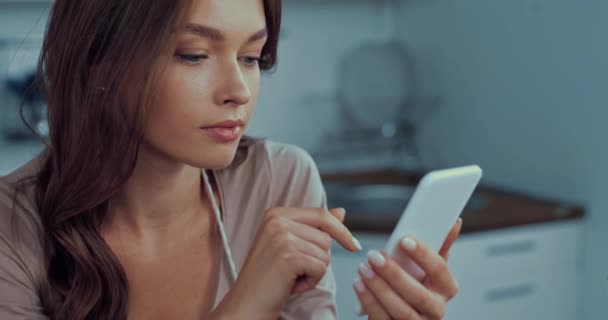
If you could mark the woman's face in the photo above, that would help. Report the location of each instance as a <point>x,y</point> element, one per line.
<point>209,90</point>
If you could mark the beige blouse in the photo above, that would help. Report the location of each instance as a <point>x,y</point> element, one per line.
<point>272,174</point>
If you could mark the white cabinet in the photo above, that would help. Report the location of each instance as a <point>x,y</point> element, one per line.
<point>523,273</point>
<point>536,295</point>
<point>345,265</point>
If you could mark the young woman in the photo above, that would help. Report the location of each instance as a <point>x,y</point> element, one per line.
<point>149,203</point>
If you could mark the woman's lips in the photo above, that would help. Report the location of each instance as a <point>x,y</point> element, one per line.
<point>223,134</point>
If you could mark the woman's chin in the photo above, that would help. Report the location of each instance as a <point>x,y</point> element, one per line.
<point>215,158</point>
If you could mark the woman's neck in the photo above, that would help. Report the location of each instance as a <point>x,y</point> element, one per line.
<point>161,194</point>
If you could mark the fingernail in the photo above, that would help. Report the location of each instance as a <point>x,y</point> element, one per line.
<point>359,286</point>
<point>341,210</point>
<point>358,310</point>
<point>376,258</point>
<point>357,244</point>
<point>366,271</point>
<point>408,243</point>
<point>460,220</point>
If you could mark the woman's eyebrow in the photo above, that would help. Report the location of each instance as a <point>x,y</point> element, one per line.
<point>217,35</point>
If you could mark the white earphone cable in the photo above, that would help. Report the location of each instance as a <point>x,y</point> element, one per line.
<point>218,218</point>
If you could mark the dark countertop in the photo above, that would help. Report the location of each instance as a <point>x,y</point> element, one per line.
<point>500,209</point>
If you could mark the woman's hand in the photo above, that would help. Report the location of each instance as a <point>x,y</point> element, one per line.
<point>289,255</point>
<point>387,291</point>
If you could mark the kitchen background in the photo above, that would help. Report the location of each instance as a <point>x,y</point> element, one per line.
<point>517,87</point>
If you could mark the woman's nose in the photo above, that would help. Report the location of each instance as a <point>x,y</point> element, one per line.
<point>234,89</point>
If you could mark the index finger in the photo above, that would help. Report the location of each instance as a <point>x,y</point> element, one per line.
<point>326,221</point>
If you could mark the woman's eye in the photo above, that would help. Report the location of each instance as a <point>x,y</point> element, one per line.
<point>192,58</point>
<point>250,61</point>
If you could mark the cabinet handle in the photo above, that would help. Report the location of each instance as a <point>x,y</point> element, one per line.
<point>511,292</point>
<point>511,248</point>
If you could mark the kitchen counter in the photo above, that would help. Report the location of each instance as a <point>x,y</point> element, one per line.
<point>492,209</point>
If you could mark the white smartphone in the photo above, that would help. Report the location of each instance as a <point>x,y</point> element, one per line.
<point>434,208</point>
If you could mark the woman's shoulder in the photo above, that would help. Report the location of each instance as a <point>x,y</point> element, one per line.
<point>21,255</point>
<point>283,158</point>
<point>288,171</point>
<point>275,161</point>
<point>17,187</point>
<point>20,227</point>
<point>289,158</point>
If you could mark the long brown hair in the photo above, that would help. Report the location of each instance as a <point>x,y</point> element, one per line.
<point>97,69</point>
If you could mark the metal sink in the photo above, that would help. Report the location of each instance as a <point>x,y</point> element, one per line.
<point>376,199</point>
